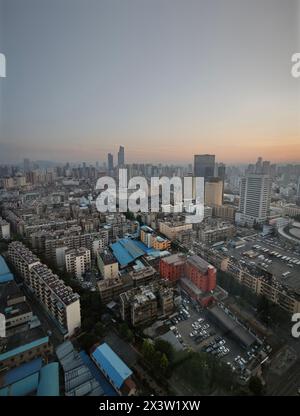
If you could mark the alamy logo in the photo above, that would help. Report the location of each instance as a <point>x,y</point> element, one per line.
<point>295,71</point>
<point>2,326</point>
<point>296,326</point>
<point>2,66</point>
<point>152,195</point>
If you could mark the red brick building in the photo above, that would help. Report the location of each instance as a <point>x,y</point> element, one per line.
<point>172,267</point>
<point>202,274</point>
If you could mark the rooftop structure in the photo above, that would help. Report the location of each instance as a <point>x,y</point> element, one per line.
<point>31,378</point>
<point>79,380</point>
<point>5,274</point>
<point>115,370</point>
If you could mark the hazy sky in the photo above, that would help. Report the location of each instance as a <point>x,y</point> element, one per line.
<point>165,78</point>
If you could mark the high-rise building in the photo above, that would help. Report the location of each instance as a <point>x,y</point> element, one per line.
<point>110,162</point>
<point>255,196</point>
<point>221,171</point>
<point>204,166</point>
<point>58,299</point>
<point>26,165</point>
<point>213,192</point>
<point>121,156</point>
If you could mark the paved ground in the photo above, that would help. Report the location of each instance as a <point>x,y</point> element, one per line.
<point>185,328</point>
<point>278,266</point>
<point>122,348</point>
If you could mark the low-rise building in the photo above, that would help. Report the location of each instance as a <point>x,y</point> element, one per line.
<point>194,268</point>
<point>78,261</point>
<point>4,229</point>
<point>212,232</point>
<point>142,305</point>
<point>108,265</point>
<point>110,289</point>
<point>114,369</point>
<point>151,239</point>
<point>172,229</point>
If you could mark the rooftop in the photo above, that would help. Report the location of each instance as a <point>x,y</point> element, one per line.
<point>108,258</point>
<point>232,326</point>
<point>22,348</point>
<point>199,263</point>
<point>5,274</point>
<point>175,259</point>
<point>112,364</point>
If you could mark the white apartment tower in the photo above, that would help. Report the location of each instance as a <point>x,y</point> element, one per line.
<point>255,196</point>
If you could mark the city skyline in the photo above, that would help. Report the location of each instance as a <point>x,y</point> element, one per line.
<point>167,80</point>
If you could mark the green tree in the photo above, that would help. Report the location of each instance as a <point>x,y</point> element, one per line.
<point>165,348</point>
<point>148,350</point>
<point>126,332</point>
<point>163,363</point>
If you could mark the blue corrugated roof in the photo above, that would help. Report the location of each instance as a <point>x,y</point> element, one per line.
<point>112,364</point>
<point>23,371</point>
<point>126,250</point>
<point>23,348</point>
<point>148,250</point>
<point>22,387</point>
<point>49,380</point>
<point>5,274</point>
<point>107,388</point>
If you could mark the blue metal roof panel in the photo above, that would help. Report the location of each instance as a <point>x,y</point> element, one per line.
<point>112,364</point>
<point>5,274</point>
<point>3,266</point>
<point>22,387</point>
<point>23,371</point>
<point>121,254</point>
<point>8,277</point>
<point>49,380</point>
<point>127,250</point>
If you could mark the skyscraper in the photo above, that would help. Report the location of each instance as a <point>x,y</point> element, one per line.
<point>110,162</point>
<point>221,171</point>
<point>26,163</point>
<point>121,156</point>
<point>213,192</point>
<point>204,166</point>
<point>255,196</point>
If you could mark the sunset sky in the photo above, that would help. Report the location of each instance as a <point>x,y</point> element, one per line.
<point>165,78</point>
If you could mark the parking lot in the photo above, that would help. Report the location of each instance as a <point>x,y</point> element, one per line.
<point>270,255</point>
<point>210,331</point>
<point>196,331</point>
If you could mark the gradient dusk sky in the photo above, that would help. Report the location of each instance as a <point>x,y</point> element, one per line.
<point>165,78</point>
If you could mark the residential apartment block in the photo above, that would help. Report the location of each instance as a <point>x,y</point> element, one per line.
<point>58,299</point>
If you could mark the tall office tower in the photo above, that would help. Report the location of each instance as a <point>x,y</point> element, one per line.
<point>213,192</point>
<point>221,171</point>
<point>204,166</point>
<point>121,156</point>
<point>110,162</point>
<point>26,165</point>
<point>258,166</point>
<point>266,169</point>
<point>255,196</point>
